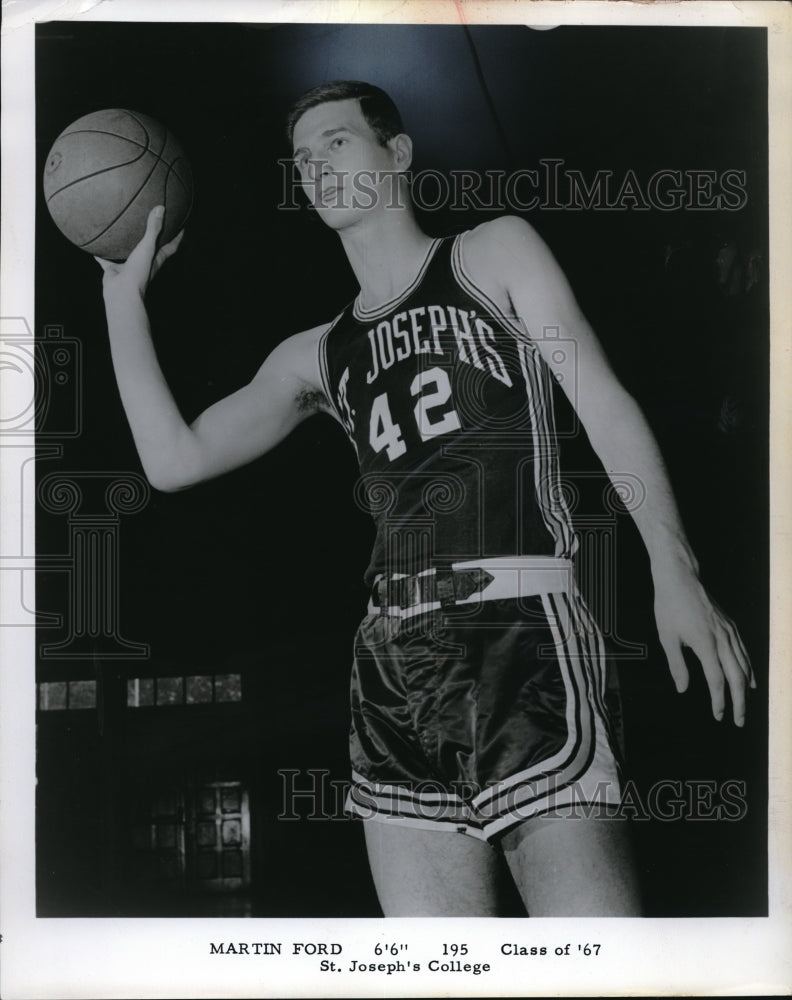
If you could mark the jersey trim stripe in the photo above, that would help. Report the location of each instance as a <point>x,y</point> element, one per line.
<point>547,480</point>
<point>470,286</point>
<point>366,315</point>
<point>324,370</point>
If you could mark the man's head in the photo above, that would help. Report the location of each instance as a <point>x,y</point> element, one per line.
<point>378,109</point>
<point>350,152</point>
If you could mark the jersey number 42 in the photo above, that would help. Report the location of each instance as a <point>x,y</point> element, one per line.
<point>432,414</point>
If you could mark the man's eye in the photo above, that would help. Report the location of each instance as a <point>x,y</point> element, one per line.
<point>336,143</point>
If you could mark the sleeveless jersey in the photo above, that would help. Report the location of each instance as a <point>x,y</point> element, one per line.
<point>448,404</point>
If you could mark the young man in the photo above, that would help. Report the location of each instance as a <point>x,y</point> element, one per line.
<point>478,690</point>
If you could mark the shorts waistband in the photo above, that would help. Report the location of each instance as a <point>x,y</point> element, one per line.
<point>470,582</point>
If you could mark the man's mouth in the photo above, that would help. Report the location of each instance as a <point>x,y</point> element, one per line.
<point>329,194</point>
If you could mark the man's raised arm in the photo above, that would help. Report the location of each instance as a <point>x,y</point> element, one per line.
<point>229,433</point>
<point>509,257</point>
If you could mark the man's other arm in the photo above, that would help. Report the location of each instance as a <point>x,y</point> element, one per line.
<point>517,268</point>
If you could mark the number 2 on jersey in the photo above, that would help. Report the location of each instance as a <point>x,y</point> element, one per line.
<point>433,390</point>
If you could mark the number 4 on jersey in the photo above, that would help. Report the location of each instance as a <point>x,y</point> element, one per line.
<point>383,433</point>
<point>433,389</point>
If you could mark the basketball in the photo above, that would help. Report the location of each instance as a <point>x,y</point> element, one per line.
<point>105,173</point>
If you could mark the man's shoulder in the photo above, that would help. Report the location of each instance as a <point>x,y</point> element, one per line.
<point>498,248</point>
<point>302,347</point>
<point>507,253</point>
<point>307,340</point>
<point>297,357</point>
<point>497,243</point>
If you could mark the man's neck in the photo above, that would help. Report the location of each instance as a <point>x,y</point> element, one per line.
<point>386,252</point>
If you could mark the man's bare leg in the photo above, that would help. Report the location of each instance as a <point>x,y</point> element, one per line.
<point>428,873</point>
<point>574,867</point>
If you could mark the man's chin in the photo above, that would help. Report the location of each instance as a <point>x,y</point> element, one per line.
<point>339,216</point>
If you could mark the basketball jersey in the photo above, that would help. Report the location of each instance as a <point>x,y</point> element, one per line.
<point>448,405</point>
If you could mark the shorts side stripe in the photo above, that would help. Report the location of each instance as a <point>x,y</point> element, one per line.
<point>596,645</point>
<point>595,658</point>
<point>577,750</point>
<point>555,782</point>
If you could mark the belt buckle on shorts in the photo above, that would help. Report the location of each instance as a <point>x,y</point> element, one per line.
<point>445,588</point>
<point>383,595</point>
<point>471,581</point>
<point>410,595</point>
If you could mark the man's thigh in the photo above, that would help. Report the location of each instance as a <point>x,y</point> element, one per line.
<point>574,867</point>
<point>560,866</point>
<point>430,873</point>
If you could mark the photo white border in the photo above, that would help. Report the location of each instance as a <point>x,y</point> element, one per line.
<point>42,958</point>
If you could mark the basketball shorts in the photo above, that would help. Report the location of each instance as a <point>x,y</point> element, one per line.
<point>474,716</point>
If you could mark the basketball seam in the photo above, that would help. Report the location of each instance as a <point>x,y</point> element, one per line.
<point>146,132</point>
<point>144,149</point>
<point>103,131</point>
<point>168,135</point>
<point>126,138</point>
<point>157,159</point>
<point>99,131</point>
<point>104,170</point>
<point>118,135</point>
<point>117,166</point>
<point>170,172</point>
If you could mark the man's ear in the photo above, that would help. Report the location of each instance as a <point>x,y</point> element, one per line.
<point>402,148</point>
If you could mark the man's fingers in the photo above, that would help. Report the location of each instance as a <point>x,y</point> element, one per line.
<point>165,252</point>
<point>154,221</point>
<point>169,249</point>
<point>145,249</point>
<point>148,245</point>
<point>741,654</point>
<point>736,678</point>
<point>694,621</point>
<point>710,662</point>
<point>108,266</point>
<point>737,645</point>
<point>676,664</point>
<point>173,246</point>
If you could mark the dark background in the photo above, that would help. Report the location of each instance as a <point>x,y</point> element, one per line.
<point>259,573</point>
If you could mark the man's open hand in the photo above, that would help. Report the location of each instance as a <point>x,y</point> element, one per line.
<point>687,616</point>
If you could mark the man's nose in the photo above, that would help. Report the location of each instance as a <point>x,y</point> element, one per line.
<point>318,169</point>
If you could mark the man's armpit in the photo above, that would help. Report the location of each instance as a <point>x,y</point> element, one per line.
<point>312,401</point>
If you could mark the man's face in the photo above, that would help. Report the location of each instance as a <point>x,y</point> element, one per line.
<point>344,170</point>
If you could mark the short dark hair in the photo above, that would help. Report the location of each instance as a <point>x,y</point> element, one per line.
<point>378,109</point>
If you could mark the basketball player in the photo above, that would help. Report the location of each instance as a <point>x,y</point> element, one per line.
<point>478,691</point>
